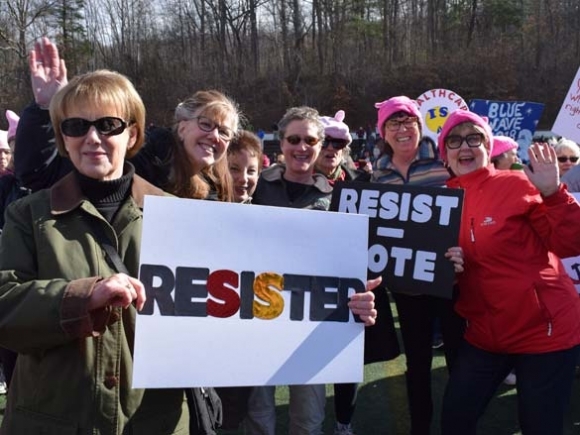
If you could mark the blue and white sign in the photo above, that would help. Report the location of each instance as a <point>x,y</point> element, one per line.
<point>516,119</point>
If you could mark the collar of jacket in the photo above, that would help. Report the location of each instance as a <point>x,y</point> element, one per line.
<point>276,172</point>
<point>474,177</point>
<point>426,152</point>
<point>66,194</point>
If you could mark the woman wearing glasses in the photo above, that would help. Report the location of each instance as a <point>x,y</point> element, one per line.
<point>412,159</point>
<point>332,160</point>
<point>568,153</point>
<point>521,308</point>
<point>295,184</point>
<point>64,308</point>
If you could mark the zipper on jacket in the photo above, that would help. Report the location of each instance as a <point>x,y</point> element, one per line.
<point>549,329</point>
<point>472,231</point>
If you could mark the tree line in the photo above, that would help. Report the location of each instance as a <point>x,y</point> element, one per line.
<point>330,54</point>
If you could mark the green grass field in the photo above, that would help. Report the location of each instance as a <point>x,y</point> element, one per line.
<point>382,409</point>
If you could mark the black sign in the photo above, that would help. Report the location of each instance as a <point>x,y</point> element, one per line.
<point>410,230</point>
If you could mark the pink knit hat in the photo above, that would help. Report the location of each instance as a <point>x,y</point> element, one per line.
<point>335,128</point>
<point>5,136</point>
<point>393,105</point>
<point>459,117</point>
<point>502,144</point>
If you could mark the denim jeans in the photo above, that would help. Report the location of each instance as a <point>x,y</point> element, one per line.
<point>544,386</point>
<point>306,410</point>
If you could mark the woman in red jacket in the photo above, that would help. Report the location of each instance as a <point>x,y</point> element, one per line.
<point>521,308</point>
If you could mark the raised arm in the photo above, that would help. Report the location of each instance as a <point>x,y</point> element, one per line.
<point>37,163</point>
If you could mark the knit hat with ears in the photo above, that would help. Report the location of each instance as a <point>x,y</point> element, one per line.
<point>502,144</point>
<point>335,128</point>
<point>459,117</point>
<point>393,105</point>
<point>5,136</point>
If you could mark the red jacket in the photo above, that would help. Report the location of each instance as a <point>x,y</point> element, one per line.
<point>514,293</point>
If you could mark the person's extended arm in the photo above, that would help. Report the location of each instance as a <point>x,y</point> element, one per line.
<point>555,217</point>
<point>37,163</point>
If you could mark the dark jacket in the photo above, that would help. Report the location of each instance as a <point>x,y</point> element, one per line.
<point>10,191</point>
<point>271,190</point>
<point>74,370</point>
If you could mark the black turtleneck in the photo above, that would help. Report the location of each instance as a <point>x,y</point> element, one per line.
<point>107,195</point>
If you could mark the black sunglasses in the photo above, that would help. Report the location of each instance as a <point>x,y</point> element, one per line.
<point>308,140</point>
<point>564,159</point>
<point>337,144</point>
<point>106,126</point>
<point>454,141</point>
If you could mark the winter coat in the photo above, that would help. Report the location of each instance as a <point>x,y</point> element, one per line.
<point>426,170</point>
<point>74,369</point>
<point>271,190</point>
<point>515,293</point>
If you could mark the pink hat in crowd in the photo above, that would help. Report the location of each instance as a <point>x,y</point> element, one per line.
<point>5,136</point>
<point>502,144</point>
<point>335,128</point>
<point>459,117</point>
<point>393,105</point>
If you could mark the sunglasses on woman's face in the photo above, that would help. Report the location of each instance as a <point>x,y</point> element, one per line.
<point>106,126</point>
<point>308,140</point>
<point>564,159</point>
<point>337,144</point>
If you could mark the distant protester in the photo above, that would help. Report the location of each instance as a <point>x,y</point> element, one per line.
<point>505,153</point>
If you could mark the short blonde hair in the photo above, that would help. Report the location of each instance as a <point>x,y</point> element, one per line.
<point>101,88</point>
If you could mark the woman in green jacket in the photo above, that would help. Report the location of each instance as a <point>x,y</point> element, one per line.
<point>64,307</point>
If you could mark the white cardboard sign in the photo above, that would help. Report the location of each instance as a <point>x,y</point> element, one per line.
<point>321,256</point>
<point>572,264</point>
<point>567,122</point>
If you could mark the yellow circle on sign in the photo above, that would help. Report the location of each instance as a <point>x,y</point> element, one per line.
<point>436,117</point>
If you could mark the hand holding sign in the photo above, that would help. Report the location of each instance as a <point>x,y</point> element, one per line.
<point>363,304</point>
<point>455,254</point>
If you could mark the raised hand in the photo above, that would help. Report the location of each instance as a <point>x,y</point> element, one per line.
<point>47,71</point>
<point>544,172</point>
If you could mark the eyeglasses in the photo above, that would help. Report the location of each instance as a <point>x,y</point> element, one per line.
<point>208,126</point>
<point>337,144</point>
<point>454,141</point>
<point>308,140</point>
<point>395,124</point>
<point>564,159</point>
<point>106,126</point>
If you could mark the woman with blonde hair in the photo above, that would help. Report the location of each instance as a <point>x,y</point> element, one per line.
<point>67,305</point>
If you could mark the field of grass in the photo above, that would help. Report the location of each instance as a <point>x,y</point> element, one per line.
<point>382,409</point>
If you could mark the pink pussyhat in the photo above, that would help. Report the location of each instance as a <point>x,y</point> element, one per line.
<point>5,136</point>
<point>393,105</point>
<point>335,127</point>
<point>502,144</point>
<point>459,117</point>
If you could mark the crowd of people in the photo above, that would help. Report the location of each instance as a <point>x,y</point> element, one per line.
<point>72,215</point>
